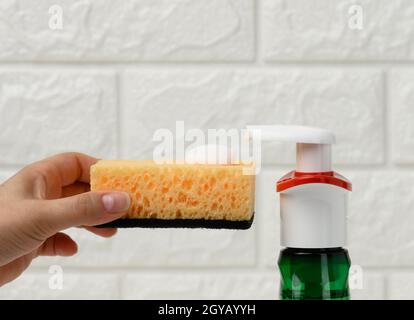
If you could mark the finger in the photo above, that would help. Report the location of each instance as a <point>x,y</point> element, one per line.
<point>59,244</point>
<point>75,188</point>
<point>102,232</point>
<point>89,209</point>
<point>65,167</point>
<point>44,179</point>
<point>15,268</point>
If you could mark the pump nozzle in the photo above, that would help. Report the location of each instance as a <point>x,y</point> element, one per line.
<point>312,198</point>
<point>313,145</point>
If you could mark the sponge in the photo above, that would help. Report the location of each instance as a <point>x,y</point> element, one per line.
<point>179,195</point>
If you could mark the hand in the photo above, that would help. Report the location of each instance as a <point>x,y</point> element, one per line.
<point>44,198</point>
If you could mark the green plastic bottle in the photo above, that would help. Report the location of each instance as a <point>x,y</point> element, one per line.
<point>309,274</point>
<point>313,210</point>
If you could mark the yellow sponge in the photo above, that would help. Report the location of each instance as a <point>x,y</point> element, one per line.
<point>179,191</point>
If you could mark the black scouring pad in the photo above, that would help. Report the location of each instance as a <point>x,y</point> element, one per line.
<point>179,223</point>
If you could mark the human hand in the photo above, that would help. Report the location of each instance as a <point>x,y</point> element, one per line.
<point>44,198</point>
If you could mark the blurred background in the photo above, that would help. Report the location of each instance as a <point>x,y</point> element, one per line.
<point>100,76</point>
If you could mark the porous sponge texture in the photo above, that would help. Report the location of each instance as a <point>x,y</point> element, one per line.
<point>179,191</point>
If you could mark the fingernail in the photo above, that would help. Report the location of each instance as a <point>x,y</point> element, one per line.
<point>116,202</point>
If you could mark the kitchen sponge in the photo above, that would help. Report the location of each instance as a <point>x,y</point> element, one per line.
<point>179,195</point>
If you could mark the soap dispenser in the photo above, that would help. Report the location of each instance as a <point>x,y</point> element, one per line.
<point>313,206</point>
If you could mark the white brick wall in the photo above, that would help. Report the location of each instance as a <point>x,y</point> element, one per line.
<point>116,72</point>
<point>136,30</point>
<point>227,99</point>
<point>186,285</point>
<point>318,30</point>
<point>49,111</point>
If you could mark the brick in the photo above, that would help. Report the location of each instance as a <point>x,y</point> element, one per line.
<point>401,84</point>
<point>46,112</point>
<point>75,286</point>
<point>268,217</point>
<point>132,30</point>
<point>162,247</point>
<point>400,285</point>
<point>349,102</point>
<point>319,30</point>
<point>220,285</point>
<point>380,218</point>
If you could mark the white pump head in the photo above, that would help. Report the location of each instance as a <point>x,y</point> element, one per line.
<point>313,145</point>
<point>313,199</point>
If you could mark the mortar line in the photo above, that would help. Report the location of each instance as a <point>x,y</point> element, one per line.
<point>154,270</point>
<point>357,167</point>
<point>399,268</point>
<point>260,238</point>
<point>9,168</point>
<point>120,286</point>
<point>267,269</point>
<point>386,287</point>
<point>387,123</point>
<point>373,168</point>
<point>206,64</point>
<point>119,115</point>
<point>121,281</point>
<point>258,32</point>
<point>257,239</point>
<point>383,270</point>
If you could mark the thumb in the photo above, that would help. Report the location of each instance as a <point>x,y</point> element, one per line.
<point>90,208</point>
